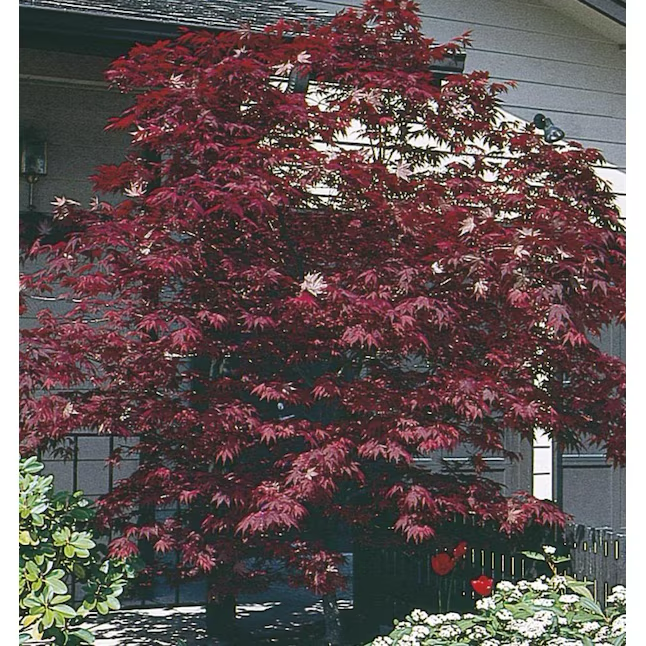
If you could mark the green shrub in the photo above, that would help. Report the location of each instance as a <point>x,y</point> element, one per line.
<point>56,543</point>
<point>556,611</point>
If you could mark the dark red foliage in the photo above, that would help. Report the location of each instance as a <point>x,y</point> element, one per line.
<point>287,299</point>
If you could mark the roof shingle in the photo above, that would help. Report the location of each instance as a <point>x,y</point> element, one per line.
<point>215,14</point>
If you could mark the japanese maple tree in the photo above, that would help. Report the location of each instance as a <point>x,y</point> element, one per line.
<point>291,295</point>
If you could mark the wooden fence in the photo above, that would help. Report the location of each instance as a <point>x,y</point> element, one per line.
<point>597,555</point>
<point>388,583</point>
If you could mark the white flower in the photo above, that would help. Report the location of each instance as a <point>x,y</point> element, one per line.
<point>589,627</point>
<point>546,603</point>
<point>505,586</point>
<point>434,620</point>
<point>619,625</point>
<point>451,616</point>
<point>314,284</point>
<point>136,189</point>
<point>558,581</point>
<point>618,595</point>
<point>604,632</point>
<point>490,642</point>
<point>544,616</point>
<point>549,549</point>
<point>477,632</point>
<point>538,586</point>
<point>487,603</point>
<point>569,598</point>
<point>448,631</point>
<point>527,627</point>
<point>504,615</point>
<point>418,615</point>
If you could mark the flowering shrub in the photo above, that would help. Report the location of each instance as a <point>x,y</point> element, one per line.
<point>556,611</point>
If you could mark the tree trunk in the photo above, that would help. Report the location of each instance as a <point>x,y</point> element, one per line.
<point>220,614</point>
<point>332,620</point>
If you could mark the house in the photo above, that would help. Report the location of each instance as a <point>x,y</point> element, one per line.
<point>566,55</point>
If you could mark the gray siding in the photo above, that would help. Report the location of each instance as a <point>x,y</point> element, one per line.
<point>64,100</point>
<point>592,490</point>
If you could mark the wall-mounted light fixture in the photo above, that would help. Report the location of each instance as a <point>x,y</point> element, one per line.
<point>33,163</point>
<point>449,64</point>
<point>551,133</point>
<point>298,81</point>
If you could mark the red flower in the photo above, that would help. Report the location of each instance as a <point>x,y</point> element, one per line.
<point>460,550</point>
<point>482,585</point>
<point>442,563</point>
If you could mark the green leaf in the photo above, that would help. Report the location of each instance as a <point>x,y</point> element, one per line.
<point>27,620</point>
<point>83,542</point>
<point>592,606</point>
<point>24,538</point>
<point>102,608</point>
<point>580,587</point>
<point>84,635</point>
<point>48,618</point>
<point>560,559</point>
<point>66,611</point>
<point>62,598</point>
<point>31,465</point>
<point>78,570</point>
<point>534,555</point>
<point>57,586</point>
<point>113,603</point>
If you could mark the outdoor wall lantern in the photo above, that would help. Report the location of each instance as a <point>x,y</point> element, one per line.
<point>298,81</point>
<point>551,133</point>
<point>450,64</point>
<point>33,163</point>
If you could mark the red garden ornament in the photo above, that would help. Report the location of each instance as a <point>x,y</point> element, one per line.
<point>482,585</point>
<point>442,563</point>
<point>460,550</point>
